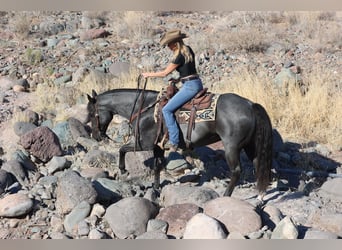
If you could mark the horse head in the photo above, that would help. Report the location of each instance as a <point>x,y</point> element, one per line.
<point>94,116</point>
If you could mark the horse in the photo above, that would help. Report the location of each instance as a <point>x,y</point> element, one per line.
<point>239,123</point>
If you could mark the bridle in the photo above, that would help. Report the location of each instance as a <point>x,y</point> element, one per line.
<point>97,117</point>
<point>134,115</point>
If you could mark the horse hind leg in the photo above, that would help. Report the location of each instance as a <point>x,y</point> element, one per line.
<point>233,161</point>
<point>251,153</point>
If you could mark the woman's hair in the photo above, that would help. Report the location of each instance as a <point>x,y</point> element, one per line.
<point>184,50</point>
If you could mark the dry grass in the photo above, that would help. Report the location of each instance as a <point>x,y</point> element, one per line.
<point>21,25</point>
<point>316,116</point>
<point>133,25</point>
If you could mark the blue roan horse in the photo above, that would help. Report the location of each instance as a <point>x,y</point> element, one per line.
<point>239,123</point>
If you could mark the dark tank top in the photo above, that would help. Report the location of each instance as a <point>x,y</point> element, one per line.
<point>185,69</point>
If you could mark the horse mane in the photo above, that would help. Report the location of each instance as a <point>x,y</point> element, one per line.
<point>111,91</point>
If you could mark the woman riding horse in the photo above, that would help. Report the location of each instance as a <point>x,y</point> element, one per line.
<point>184,62</point>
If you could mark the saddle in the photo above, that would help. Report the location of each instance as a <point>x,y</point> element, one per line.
<point>202,100</point>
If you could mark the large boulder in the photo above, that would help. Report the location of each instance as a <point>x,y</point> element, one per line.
<point>72,189</point>
<point>237,215</point>
<point>129,217</point>
<point>177,216</point>
<point>42,143</point>
<point>172,195</point>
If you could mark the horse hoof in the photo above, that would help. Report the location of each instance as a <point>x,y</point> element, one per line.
<point>257,203</point>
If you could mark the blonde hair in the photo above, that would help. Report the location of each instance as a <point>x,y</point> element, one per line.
<point>184,50</point>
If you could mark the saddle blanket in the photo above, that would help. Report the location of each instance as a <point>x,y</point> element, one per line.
<point>202,115</point>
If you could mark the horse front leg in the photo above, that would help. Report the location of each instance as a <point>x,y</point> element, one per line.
<point>159,163</point>
<point>122,153</point>
<point>122,166</point>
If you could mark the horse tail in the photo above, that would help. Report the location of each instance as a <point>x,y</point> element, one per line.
<point>263,146</point>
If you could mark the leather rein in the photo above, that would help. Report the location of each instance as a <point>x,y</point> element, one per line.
<point>133,116</point>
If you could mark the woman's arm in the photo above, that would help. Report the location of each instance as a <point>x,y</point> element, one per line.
<point>171,67</point>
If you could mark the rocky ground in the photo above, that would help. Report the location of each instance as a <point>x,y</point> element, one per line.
<point>71,187</point>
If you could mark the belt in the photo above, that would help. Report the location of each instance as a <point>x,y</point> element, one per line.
<point>189,78</point>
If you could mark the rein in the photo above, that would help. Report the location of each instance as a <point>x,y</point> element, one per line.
<point>140,109</point>
<point>97,116</point>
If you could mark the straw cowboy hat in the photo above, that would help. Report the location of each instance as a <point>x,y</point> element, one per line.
<point>172,36</point>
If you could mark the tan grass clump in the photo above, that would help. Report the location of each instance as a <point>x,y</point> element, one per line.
<point>316,116</point>
<point>133,25</point>
<point>21,24</point>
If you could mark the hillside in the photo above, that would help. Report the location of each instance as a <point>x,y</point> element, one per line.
<point>290,62</point>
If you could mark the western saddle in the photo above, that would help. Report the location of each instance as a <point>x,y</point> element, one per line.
<point>201,101</point>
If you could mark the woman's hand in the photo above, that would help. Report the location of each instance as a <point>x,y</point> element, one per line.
<point>145,74</point>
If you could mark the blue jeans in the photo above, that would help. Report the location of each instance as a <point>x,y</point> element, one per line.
<point>185,93</point>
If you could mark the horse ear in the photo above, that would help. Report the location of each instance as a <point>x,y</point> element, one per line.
<point>93,93</point>
<point>90,99</point>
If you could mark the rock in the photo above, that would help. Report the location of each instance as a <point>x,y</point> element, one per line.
<point>24,83</point>
<point>129,216</point>
<point>172,195</point>
<point>285,78</point>
<point>77,214</point>
<point>95,234</point>
<point>139,164</point>
<point>151,194</point>
<point>5,180</point>
<point>319,234</point>
<point>93,34</point>
<point>17,170</point>
<point>202,226</point>
<point>56,224</point>
<point>176,163</point>
<point>157,225</point>
<point>83,228</point>
<point>285,229</point>
<point>154,235</point>
<point>21,128</point>
<point>42,143</point>
<point>6,83</point>
<point>98,210</point>
<point>329,222</point>
<point>24,160</point>
<point>57,163</point>
<point>58,236</point>
<point>93,174</point>
<point>51,27</point>
<point>271,216</point>
<point>77,129</point>
<point>111,190</point>
<point>236,215</point>
<point>62,131</point>
<point>332,189</point>
<point>15,205</point>
<point>31,116</point>
<point>236,236</point>
<point>177,216</point>
<point>87,143</point>
<point>72,189</point>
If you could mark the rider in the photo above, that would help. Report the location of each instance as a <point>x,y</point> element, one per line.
<point>184,62</point>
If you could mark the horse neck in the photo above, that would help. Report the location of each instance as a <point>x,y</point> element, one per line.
<point>122,102</point>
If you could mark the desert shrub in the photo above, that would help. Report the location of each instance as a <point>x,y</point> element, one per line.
<point>33,56</point>
<point>21,25</point>
<point>133,25</point>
